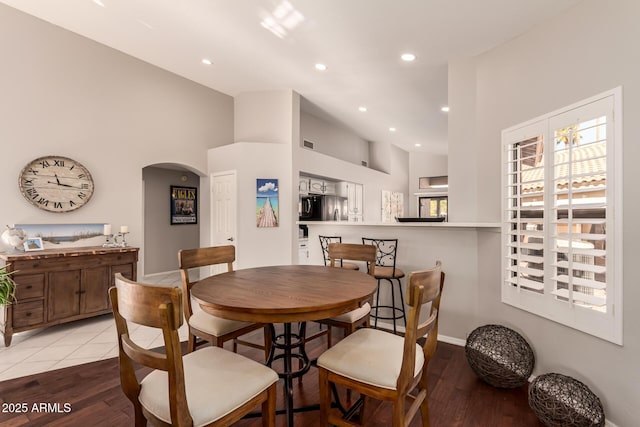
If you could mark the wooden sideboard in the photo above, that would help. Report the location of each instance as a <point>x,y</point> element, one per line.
<point>56,286</point>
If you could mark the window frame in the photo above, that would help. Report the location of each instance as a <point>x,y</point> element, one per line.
<point>609,325</point>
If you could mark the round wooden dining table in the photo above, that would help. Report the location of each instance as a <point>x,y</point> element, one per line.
<point>284,294</point>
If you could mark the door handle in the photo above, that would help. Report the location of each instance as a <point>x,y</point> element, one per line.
<point>230,239</point>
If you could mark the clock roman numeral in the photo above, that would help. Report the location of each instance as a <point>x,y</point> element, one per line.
<point>27,182</point>
<point>45,164</point>
<point>82,176</point>
<point>43,201</point>
<point>71,168</point>
<point>33,171</point>
<point>57,205</point>
<point>81,195</point>
<point>32,192</point>
<point>71,203</point>
<point>58,163</point>
<point>85,186</point>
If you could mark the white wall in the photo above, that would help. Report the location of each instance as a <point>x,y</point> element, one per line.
<point>580,53</point>
<point>263,116</point>
<point>333,140</point>
<point>421,165</point>
<point>259,246</point>
<point>64,94</point>
<point>463,188</point>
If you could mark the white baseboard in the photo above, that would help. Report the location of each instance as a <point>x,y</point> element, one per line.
<point>162,273</point>
<point>443,338</point>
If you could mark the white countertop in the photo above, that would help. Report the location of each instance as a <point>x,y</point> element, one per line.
<point>407,224</point>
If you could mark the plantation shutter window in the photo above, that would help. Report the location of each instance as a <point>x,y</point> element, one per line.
<point>561,228</point>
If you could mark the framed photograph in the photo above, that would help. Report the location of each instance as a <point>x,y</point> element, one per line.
<point>184,205</point>
<point>267,210</point>
<point>33,244</point>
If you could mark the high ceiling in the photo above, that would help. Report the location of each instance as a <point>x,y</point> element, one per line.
<point>274,44</point>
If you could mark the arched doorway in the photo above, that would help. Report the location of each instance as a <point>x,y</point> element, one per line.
<point>162,238</point>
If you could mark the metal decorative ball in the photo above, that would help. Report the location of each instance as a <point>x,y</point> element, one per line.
<point>559,400</point>
<point>499,356</point>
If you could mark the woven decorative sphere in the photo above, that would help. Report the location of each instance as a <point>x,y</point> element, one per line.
<point>500,356</point>
<point>559,400</point>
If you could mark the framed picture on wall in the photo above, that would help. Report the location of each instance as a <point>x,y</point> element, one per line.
<point>184,205</point>
<point>267,210</point>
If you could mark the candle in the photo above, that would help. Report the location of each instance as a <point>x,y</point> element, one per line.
<point>107,229</point>
<point>124,229</point>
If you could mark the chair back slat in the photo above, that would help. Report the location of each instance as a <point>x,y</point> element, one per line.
<point>201,257</point>
<point>423,287</point>
<point>139,303</point>
<point>143,356</point>
<point>353,252</point>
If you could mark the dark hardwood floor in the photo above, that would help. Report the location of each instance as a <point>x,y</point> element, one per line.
<point>94,398</point>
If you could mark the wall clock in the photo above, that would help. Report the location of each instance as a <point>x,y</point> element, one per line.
<point>56,183</point>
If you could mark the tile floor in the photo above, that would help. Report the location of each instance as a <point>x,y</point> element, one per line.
<point>75,343</point>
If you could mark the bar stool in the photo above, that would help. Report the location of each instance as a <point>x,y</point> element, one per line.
<point>324,244</point>
<point>386,250</point>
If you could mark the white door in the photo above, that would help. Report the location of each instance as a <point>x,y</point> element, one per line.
<point>223,211</point>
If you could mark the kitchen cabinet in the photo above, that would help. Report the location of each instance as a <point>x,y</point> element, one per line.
<point>303,185</point>
<point>320,186</point>
<point>303,252</point>
<point>62,285</point>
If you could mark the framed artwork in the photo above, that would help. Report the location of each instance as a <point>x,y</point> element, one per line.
<point>65,235</point>
<point>267,212</point>
<point>33,244</point>
<point>184,205</point>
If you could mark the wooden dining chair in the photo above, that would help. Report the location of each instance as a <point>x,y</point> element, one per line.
<point>209,387</point>
<point>324,245</point>
<point>386,366</point>
<point>203,325</point>
<point>359,317</point>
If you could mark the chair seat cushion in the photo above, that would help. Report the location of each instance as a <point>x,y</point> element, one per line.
<point>370,356</point>
<point>353,315</point>
<point>217,382</point>
<point>387,273</point>
<point>214,325</point>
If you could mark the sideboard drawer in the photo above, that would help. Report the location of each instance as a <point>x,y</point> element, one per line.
<point>29,313</point>
<point>29,286</point>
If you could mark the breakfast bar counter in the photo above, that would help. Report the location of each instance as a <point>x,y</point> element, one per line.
<point>459,246</point>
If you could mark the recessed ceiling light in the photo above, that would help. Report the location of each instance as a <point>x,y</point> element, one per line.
<point>363,109</point>
<point>408,57</point>
<point>320,67</point>
<point>418,145</point>
<point>206,61</point>
<point>392,129</point>
<point>99,3</point>
<point>445,109</point>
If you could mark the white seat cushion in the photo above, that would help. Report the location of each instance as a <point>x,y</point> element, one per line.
<point>217,381</point>
<point>214,325</point>
<point>353,315</point>
<point>370,356</point>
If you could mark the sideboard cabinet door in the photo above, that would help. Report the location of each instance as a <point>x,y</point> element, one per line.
<point>63,295</point>
<point>94,295</point>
